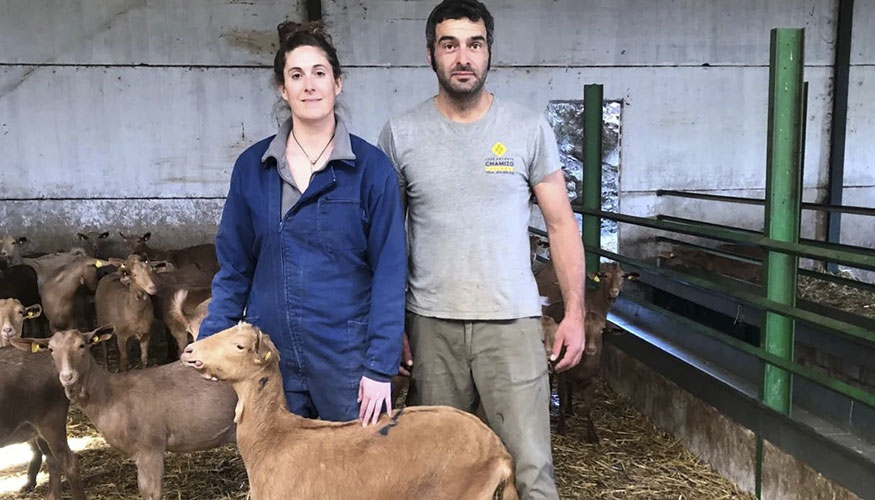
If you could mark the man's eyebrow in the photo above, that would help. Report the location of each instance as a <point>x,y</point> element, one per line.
<point>447,38</point>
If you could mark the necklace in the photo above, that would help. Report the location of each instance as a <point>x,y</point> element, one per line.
<point>313,162</point>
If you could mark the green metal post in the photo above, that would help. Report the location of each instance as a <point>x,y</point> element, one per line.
<point>783,199</point>
<point>592,170</point>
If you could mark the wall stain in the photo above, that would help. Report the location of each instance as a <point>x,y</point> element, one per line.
<point>257,42</point>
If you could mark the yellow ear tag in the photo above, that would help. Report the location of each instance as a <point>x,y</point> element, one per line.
<point>98,264</point>
<point>267,355</point>
<point>95,339</point>
<point>29,314</point>
<point>34,347</point>
<point>596,278</point>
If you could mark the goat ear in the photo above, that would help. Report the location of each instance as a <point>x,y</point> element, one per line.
<point>593,276</point>
<point>101,334</point>
<point>104,234</point>
<point>30,344</point>
<point>33,311</point>
<point>116,262</point>
<point>146,236</point>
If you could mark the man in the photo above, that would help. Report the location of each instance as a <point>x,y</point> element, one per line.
<point>468,163</point>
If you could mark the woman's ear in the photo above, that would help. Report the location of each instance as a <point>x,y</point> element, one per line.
<point>338,84</point>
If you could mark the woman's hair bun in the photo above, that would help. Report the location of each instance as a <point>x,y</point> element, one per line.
<point>288,29</point>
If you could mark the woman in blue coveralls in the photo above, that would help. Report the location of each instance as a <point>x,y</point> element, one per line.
<point>311,245</point>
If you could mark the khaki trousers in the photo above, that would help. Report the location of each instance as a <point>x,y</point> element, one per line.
<point>501,365</point>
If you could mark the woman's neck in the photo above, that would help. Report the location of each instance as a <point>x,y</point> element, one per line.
<point>314,134</point>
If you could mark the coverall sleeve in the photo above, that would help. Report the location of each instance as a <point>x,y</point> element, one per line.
<point>235,252</point>
<point>387,256</point>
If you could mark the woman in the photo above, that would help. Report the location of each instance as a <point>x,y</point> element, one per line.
<point>311,245</point>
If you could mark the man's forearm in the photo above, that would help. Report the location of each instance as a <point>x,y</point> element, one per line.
<point>566,252</point>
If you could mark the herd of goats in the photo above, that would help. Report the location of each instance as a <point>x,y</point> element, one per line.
<point>227,388</point>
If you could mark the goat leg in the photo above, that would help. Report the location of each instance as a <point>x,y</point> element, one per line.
<point>33,467</point>
<point>122,342</point>
<point>144,349</point>
<point>54,474</point>
<point>150,473</point>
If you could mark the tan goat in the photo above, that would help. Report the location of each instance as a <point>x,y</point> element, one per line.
<point>610,280</point>
<point>420,452</point>
<point>185,317</point>
<point>12,317</point>
<point>33,409</point>
<point>122,301</point>
<point>144,413</point>
<point>66,294</point>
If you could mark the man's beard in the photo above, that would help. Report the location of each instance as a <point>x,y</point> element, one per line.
<point>461,94</point>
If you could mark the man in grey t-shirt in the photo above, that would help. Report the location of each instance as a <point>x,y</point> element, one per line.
<point>469,164</point>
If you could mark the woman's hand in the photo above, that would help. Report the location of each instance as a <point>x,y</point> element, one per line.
<point>372,396</point>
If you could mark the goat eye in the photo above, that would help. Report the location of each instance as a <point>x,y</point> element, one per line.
<point>239,347</point>
<point>81,346</point>
<point>51,350</point>
<point>21,313</point>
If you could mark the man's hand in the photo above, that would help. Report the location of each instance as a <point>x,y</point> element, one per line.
<point>570,335</point>
<point>372,396</point>
<point>406,356</point>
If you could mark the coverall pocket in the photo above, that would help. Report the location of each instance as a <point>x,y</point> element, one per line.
<point>339,225</point>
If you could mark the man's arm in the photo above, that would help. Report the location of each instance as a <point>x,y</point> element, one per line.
<point>566,252</point>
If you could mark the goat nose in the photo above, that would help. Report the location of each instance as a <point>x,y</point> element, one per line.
<point>7,330</point>
<point>66,376</point>
<point>188,350</point>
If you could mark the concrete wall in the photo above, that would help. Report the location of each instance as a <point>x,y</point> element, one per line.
<point>129,114</point>
<point>859,149</point>
<point>725,445</point>
<point>168,93</point>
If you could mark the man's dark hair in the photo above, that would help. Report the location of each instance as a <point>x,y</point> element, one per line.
<point>293,35</point>
<point>457,9</point>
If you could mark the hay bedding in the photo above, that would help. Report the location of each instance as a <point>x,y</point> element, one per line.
<point>633,461</point>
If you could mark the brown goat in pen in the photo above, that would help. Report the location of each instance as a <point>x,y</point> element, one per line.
<point>429,452</point>
<point>144,413</point>
<point>122,300</point>
<point>610,280</point>
<point>33,408</point>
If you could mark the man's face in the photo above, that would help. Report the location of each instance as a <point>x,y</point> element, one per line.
<point>461,56</point>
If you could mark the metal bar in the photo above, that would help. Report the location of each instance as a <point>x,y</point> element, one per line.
<point>782,212</point>
<point>861,285</point>
<point>842,328</point>
<point>592,170</point>
<point>809,242</point>
<point>838,129</point>
<point>853,258</point>
<point>756,201</point>
<point>830,383</point>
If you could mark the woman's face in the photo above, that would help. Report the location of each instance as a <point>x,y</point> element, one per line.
<point>309,85</point>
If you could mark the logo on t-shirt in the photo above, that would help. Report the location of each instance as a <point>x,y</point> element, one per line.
<point>498,164</point>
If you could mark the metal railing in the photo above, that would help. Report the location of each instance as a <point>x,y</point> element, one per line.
<point>780,240</point>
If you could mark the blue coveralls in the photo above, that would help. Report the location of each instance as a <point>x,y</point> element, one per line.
<point>325,281</point>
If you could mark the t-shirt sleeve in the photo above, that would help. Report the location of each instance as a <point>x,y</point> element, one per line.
<point>545,153</point>
<point>386,143</point>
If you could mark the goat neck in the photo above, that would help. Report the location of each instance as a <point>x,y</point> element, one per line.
<point>93,387</point>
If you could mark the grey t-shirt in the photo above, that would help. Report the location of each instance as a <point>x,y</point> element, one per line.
<point>469,195</point>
